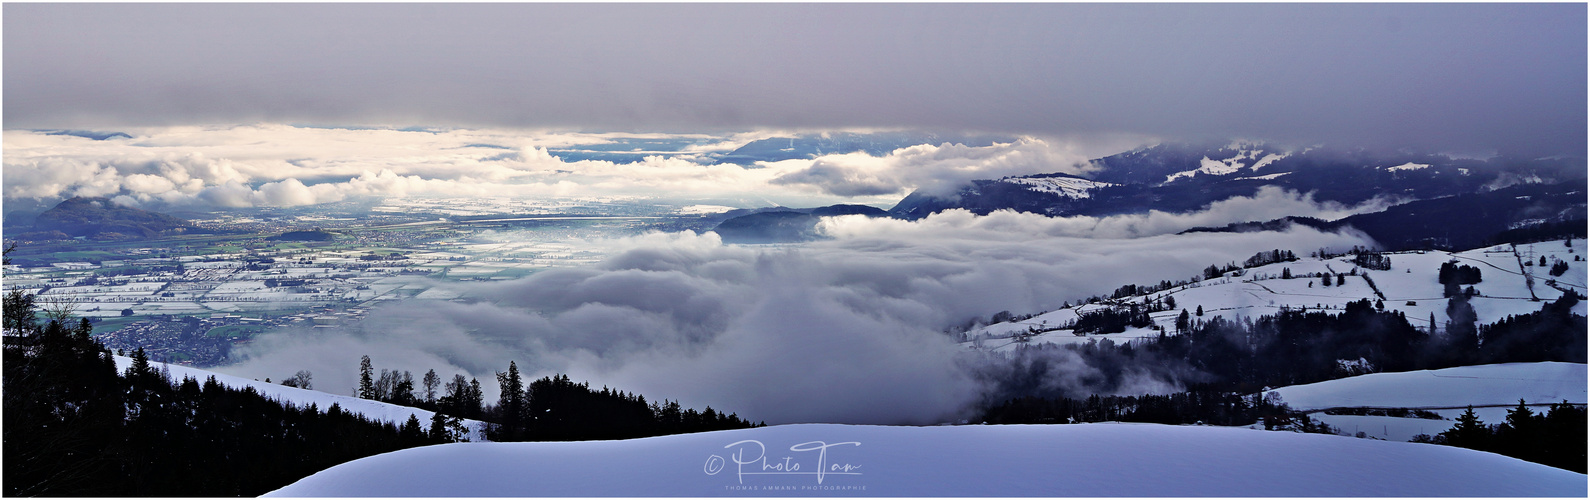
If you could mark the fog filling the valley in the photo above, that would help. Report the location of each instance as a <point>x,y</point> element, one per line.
<point>849,330</point>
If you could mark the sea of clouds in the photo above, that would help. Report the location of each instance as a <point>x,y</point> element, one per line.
<point>853,330</point>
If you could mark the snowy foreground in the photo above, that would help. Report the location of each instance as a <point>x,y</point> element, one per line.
<point>374,410</point>
<point>1090,460</point>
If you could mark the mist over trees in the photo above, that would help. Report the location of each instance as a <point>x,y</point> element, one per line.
<point>1289,348</point>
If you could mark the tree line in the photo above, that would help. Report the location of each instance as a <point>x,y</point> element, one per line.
<point>552,408</point>
<point>1555,437</point>
<point>75,426</point>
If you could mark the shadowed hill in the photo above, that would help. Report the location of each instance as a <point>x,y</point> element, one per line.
<point>100,218</point>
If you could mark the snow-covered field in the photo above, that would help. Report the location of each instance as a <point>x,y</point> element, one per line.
<point>1493,389</point>
<point>1502,384</point>
<point>1508,287</point>
<point>1070,187</point>
<point>374,410</point>
<point>1089,460</point>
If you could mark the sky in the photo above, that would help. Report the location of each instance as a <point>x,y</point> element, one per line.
<point>1503,77</point>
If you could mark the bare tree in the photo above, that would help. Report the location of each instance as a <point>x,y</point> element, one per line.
<point>58,307</point>
<point>300,380</point>
<point>431,382</point>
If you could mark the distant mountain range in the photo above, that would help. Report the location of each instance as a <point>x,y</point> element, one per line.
<point>1181,178</point>
<point>1458,222</point>
<point>1452,202</point>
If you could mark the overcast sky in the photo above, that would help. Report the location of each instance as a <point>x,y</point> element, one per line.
<point>1470,77</point>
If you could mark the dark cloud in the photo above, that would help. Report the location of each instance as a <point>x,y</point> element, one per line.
<point>1509,77</point>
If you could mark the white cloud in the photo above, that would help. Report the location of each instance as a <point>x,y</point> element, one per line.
<point>847,330</point>
<point>1269,202</point>
<point>939,169</point>
<point>282,165</point>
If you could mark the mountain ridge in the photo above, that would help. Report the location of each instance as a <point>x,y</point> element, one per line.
<point>1177,177</point>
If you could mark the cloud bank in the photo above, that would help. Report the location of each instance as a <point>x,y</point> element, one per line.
<point>1267,203</point>
<point>847,330</point>
<point>938,170</point>
<point>280,165</point>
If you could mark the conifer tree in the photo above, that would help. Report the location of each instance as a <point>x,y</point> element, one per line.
<point>1469,432</point>
<point>366,382</point>
<point>511,403</point>
<point>476,399</point>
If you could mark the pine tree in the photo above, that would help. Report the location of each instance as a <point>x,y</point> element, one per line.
<point>403,389</point>
<point>1200,312</point>
<point>411,432</point>
<point>472,405</point>
<point>366,382</point>
<point>140,365</point>
<point>446,429</point>
<point>1469,432</point>
<point>511,403</point>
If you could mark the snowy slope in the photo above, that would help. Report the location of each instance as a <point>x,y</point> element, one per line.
<point>1392,428</point>
<point>1409,166</point>
<point>1493,389</point>
<point>1507,288</point>
<point>1244,152</point>
<point>1069,187</point>
<point>374,410</point>
<point>1089,460</point>
<point>1502,384</point>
